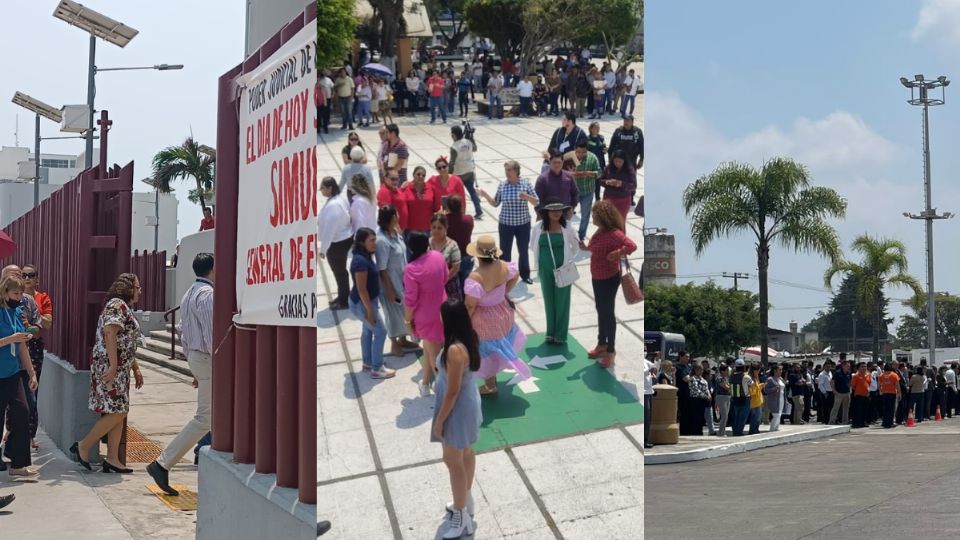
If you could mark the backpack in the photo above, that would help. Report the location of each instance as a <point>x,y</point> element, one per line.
<point>583,88</point>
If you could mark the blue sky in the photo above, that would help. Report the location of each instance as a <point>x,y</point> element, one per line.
<point>817,81</point>
<point>46,58</point>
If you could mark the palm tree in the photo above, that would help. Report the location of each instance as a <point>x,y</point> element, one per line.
<point>182,162</point>
<point>884,263</point>
<point>776,203</point>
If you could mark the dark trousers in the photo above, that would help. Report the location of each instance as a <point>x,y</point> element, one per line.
<point>916,403</point>
<point>554,98</point>
<point>464,104</point>
<point>875,409</point>
<point>324,114</point>
<point>522,235</point>
<point>346,112</point>
<point>860,406</point>
<point>33,418</point>
<point>337,259</point>
<point>470,184</point>
<point>826,405</point>
<point>647,412</point>
<point>755,414</point>
<point>605,294</point>
<point>902,407</point>
<point>525,106</point>
<point>927,403</point>
<point>698,411</point>
<point>740,413</point>
<point>888,404</point>
<point>14,402</point>
<point>951,402</point>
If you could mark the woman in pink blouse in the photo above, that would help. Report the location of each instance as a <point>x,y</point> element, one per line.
<point>423,286</point>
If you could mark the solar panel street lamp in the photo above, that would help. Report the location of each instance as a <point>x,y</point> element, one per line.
<point>100,26</point>
<point>40,109</point>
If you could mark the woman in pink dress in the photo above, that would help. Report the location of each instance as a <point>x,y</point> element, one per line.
<point>423,285</point>
<point>485,294</point>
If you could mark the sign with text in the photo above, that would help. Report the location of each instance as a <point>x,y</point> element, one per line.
<point>277,202</point>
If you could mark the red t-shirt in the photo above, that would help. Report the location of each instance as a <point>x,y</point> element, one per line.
<point>44,303</point>
<point>602,243</point>
<point>420,207</point>
<point>435,86</point>
<point>207,223</point>
<point>395,198</point>
<point>454,187</point>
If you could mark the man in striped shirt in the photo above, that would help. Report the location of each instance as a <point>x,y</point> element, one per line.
<point>196,336</point>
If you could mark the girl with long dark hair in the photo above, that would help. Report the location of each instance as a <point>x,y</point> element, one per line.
<point>457,416</point>
<point>364,303</point>
<point>423,285</point>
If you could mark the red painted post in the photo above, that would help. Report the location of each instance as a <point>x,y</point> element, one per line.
<point>225,247</point>
<point>266,405</point>
<point>285,413</point>
<point>244,449</point>
<point>307,413</point>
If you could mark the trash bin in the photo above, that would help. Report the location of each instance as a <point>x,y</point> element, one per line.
<point>664,428</point>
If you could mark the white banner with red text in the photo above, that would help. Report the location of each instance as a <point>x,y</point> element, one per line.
<point>277,201</point>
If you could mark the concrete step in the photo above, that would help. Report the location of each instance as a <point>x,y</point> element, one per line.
<point>163,347</point>
<point>163,360</point>
<point>164,335</point>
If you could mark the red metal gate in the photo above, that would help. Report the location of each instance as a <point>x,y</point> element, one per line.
<point>264,378</point>
<point>79,238</point>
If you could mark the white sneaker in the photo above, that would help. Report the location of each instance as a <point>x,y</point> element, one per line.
<point>382,373</point>
<point>24,472</point>
<point>424,389</point>
<point>470,509</point>
<point>460,524</point>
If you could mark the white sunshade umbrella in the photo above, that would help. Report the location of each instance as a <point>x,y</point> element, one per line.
<point>755,351</point>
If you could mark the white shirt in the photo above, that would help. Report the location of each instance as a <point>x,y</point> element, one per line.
<point>823,381</point>
<point>647,377</point>
<point>610,79</point>
<point>363,213</point>
<point>382,92</point>
<point>196,309</point>
<point>327,85</point>
<point>464,163</point>
<point>873,381</point>
<point>525,88</point>
<point>951,377</point>
<point>477,69</point>
<point>635,86</point>
<point>333,223</point>
<point>413,84</point>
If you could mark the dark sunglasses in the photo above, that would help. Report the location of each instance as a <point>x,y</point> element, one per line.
<point>29,275</point>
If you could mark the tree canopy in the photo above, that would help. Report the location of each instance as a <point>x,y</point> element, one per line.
<point>912,333</point>
<point>336,26</point>
<point>835,325</point>
<point>715,321</point>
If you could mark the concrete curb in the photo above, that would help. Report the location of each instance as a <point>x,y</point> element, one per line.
<point>742,446</point>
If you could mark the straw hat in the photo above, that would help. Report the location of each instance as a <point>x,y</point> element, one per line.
<point>485,247</point>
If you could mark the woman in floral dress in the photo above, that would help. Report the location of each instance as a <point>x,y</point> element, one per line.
<point>486,298</point>
<point>118,334</point>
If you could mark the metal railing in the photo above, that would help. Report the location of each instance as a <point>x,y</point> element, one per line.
<point>170,317</point>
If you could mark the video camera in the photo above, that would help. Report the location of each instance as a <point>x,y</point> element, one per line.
<point>468,131</point>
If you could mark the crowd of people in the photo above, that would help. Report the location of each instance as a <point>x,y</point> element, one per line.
<point>573,83</point>
<point>741,395</point>
<point>408,265</point>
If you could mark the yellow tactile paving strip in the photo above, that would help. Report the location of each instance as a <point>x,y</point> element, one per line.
<point>185,502</point>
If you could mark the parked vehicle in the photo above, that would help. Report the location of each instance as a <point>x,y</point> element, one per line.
<point>667,344</point>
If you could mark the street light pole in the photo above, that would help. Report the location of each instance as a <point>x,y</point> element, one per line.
<point>91,90</point>
<point>36,156</point>
<point>929,214</point>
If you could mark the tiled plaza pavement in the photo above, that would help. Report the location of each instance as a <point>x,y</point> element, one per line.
<point>378,474</point>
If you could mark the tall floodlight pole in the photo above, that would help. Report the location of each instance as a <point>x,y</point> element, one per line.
<point>40,109</point>
<point>920,96</point>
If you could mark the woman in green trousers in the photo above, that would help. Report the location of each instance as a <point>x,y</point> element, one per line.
<point>554,243</point>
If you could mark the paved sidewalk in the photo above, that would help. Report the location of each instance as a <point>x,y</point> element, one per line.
<point>692,448</point>
<point>68,501</point>
<point>551,477</point>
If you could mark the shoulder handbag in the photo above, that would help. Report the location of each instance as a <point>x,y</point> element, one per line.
<point>567,274</point>
<point>632,292</point>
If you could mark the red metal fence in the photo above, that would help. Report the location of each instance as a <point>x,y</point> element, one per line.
<point>264,378</point>
<point>79,238</point>
<point>151,268</point>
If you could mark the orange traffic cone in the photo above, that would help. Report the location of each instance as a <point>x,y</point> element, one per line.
<point>939,416</point>
<point>910,420</point>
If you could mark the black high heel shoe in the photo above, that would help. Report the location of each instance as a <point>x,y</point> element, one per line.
<point>75,452</point>
<point>110,468</point>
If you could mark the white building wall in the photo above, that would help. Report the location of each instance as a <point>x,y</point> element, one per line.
<point>143,234</point>
<point>266,17</point>
<point>16,199</point>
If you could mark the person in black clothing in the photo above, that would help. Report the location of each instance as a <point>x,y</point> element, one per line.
<point>567,136</point>
<point>931,375</point>
<point>688,422</point>
<point>628,138</point>
<point>798,386</point>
